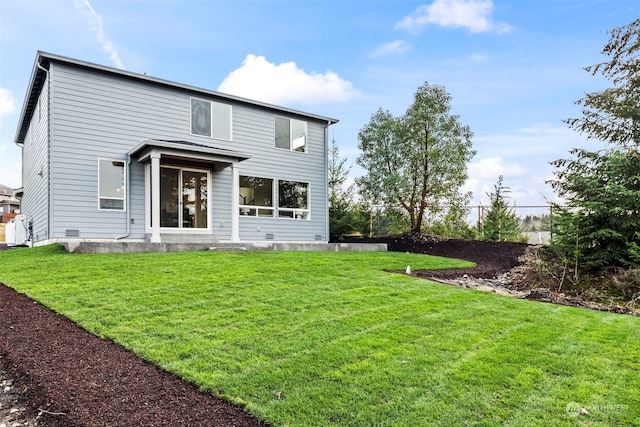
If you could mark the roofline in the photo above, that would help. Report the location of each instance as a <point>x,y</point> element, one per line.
<point>41,67</point>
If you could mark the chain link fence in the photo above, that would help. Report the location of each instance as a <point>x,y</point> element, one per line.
<point>535,221</point>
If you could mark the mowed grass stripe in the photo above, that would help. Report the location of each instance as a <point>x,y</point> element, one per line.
<point>322,339</point>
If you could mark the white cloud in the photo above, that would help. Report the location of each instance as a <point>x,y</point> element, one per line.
<point>475,15</point>
<point>484,174</point>
<point>493,167</point>
<point>397,47</point>
<point>285,83</point>
<point>478,57</point>
<point>95,22</point>
<point>542,141</point>
<point>7,103</point>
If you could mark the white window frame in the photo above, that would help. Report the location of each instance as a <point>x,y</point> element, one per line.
<point>214,107</point>
<point>177,230</point>
<point>102,198</point>
<point>291,140</point>
<point>297,214</point>
<point>253,211</point>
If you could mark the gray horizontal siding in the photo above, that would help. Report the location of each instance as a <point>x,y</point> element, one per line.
<point>221,204</point>
<point>102,116</point>
<point>271,162</point>
<point>35,170</point>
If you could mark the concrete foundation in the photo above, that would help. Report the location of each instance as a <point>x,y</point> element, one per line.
<point>82,247</point>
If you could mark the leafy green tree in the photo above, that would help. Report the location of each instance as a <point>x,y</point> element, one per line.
<point>417,161</point>
<point>500,221</point>
<point>342,218</point>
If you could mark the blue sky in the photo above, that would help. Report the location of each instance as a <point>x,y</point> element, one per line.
<point>513,68</point>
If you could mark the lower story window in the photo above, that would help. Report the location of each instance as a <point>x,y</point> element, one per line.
<point>111,177</point>
<point>256,196</point>
<point>293,199</point>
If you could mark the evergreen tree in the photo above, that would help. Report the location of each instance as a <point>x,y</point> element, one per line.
<point>601,226</point>
<point>341,208</point>
<point>500,222</point>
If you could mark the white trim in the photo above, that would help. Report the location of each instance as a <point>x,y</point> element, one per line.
<point>155,197</point>
<point>291,139</point>
<point>294,210</point>
<point>124,189</point>
<point>235,201</point>
<point>238,206</point>
<point>275,198</point>
<point>179,229</point>
<point>211,119</point>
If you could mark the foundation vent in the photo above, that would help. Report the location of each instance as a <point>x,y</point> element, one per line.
<point>269,236</point>
<point>71,233</point>
<point>318,237</point>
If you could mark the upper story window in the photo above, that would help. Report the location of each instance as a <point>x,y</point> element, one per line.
<point>211,119</point>
<point>111,184</point>
<point>291,134</point>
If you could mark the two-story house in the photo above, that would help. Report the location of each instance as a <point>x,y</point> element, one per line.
<point>111,155</point>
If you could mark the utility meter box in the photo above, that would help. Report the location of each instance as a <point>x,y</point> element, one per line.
<point>17,231</point>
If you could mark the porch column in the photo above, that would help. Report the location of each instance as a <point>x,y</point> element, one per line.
<point>155,197</point>
<point>235,202</point>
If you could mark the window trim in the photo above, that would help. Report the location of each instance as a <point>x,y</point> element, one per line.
<point>211,119</point>
<point>124,186</point>
<point>257,208</point>
<point>276,209</point>
<point>306,212</point>
<point>291,121</point>
<point>177,230</point>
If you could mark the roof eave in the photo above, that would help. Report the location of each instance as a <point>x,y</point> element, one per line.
<point>36,82</point>
<point>48,57</point>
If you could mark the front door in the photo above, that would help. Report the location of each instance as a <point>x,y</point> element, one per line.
<point>183,198</point>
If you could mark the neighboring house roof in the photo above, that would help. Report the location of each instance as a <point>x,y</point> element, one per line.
<point>44,59</point>
<point>11,202</point>
<point>6,196</point>
<point>6,191</point>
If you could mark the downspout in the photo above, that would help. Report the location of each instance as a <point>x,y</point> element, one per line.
<point>127,203</point>
<point>46,72</point>
<point>326,174</point>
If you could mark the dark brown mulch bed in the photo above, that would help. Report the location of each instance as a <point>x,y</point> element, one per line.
<point>76,379</point>
<point>492,258</point>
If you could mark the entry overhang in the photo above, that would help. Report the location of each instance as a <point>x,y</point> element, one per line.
<point>154,150</point>
<point>220,157</point>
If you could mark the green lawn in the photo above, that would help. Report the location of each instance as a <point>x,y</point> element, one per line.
<point>329,339</point>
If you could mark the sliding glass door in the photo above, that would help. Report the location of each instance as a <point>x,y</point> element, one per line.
<point>183,198</point>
